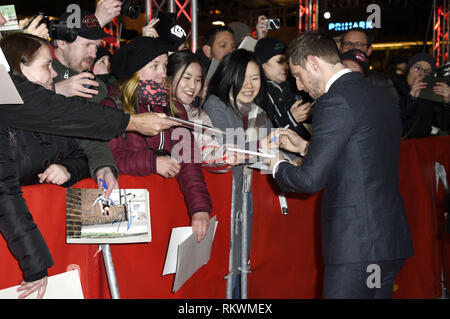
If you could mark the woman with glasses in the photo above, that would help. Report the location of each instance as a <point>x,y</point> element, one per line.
<point>424,116</point>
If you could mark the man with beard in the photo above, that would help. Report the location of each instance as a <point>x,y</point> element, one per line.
<point>353,155</point>
<point>72,61</point>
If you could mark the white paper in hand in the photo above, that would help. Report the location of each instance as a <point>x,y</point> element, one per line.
<point>4,61</point>
<point>8,91</point>
<point>185,255</point>
<point>62,286</point>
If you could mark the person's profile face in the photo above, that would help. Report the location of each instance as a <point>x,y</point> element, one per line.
<point>102,66</point>
<point>306,79</point>
<point>40,70</point>
<point>188,84</point>
<point>276,68</point>
<point>251,85</point>
<point>80,54</point>
<point>155,70</point>
<point>417,72</point>
<point>223,44</point>
<point>355,40</point>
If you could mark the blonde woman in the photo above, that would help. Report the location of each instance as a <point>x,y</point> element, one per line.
<point>140,66</point>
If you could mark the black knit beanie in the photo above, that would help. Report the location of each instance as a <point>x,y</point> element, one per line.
<point>266,48</point>
<point>135,55</point>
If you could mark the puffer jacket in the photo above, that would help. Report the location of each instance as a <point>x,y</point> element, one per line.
<point>23,155</point>
<point>135,155</point>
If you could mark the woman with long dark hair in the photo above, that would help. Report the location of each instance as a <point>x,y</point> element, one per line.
<point>235,96</point>
<point>185,76</point>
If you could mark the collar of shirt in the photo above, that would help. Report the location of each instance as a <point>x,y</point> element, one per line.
<point>336,76</point>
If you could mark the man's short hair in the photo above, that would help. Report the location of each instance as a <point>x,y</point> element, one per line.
<point>210,36</point>
<point>315,43</point>
<point>363,31</point>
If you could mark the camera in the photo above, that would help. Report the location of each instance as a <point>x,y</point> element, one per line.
<point>57,30</point>
<point>130,9</point>
<point>273,24</point>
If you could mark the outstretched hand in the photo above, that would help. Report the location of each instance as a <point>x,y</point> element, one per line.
<point>29,287</point>
<point>150,123</point>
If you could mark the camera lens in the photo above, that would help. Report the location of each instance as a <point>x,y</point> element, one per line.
<point>130,9</point>
<point>60,31</point>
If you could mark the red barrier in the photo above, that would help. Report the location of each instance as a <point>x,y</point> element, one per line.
<point>285,251</point>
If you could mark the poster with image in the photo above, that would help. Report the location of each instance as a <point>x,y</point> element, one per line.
<point>91,218</point>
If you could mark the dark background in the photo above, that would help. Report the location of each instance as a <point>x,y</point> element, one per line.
<point>401,20</point>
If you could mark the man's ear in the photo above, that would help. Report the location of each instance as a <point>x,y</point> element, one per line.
<point>61,44</point>
<point>369,50</point>
<point>313,61</point>
<point>207,51</point>
<point>22,68</point>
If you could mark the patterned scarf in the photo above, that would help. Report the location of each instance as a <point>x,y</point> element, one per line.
<point>153,93</point>
<point>256,119</point>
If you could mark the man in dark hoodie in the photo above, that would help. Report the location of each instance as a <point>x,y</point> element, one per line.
<point>72,61</point>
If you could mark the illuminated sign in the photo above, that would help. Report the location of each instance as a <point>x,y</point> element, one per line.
<point>344,26</point>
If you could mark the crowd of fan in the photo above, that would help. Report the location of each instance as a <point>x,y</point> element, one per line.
<point>156,72</point>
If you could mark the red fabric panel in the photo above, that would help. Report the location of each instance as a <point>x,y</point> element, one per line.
<point>421,275</point>
<point>139,266</point>
<point>48,207</point>
<point>286,259</point>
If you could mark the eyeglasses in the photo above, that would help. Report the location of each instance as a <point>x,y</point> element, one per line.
<point>418,68</point>
<point>357,45</point>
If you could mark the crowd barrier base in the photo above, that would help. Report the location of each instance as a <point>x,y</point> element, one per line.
<point>285,254</point>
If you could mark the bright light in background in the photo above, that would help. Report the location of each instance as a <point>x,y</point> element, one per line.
<point>219,23</point>
<point>327,15</point>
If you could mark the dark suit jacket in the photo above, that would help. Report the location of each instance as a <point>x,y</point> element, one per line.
<point>354,155</point>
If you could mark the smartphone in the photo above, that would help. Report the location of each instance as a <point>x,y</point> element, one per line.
<point>427,93</point>
<point>273,24</point>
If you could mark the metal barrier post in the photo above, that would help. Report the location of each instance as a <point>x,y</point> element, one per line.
<point>230,275</point>
<point>244,246</point>
<point>110,273</point>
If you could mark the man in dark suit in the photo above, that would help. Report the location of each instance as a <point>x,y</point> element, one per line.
<point>353,155</point>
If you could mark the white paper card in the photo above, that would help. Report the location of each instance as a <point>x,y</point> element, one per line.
<point>62,286</point>
<point>248,43</point>
<point>4,61</point>
<point>185,255</point>
<point>8,91</point>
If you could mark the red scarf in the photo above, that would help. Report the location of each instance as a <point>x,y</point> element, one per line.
<point>153,93</point>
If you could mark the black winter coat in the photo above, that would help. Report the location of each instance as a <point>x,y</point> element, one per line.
<point>279,103</point>
<point>419,115</point>
<point>47,112</point>
<point>23,155</point>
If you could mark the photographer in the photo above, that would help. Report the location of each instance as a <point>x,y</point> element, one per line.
<point>423,117</point>
<point>72,60</point>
